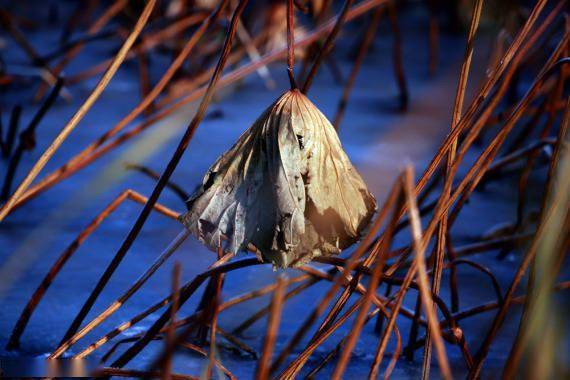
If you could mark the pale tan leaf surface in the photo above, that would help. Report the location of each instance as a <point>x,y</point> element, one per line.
<point>286,186</point>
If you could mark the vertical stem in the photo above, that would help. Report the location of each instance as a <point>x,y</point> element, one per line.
<point>27,138</point>
<point>217,280</point>
<point>12,129</point>
<point>397,56</point>
<point>362,50</point>
<point>264,364</point>
<point>171,331</point>
<point>521,341</point>
<point>448,175</point>
<point>327,45</point>
<point>291,43</point>
<point>433,36</point>
<point>420,243</point>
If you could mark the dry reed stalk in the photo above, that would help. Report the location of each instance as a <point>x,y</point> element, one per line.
<point>144,79</point>
<point>448,179</point>
<point>362,51</point>
<point>473,177</point>
<point>557,93</point>
<point>433,36</point>
<point>478,169</point>
<point>547,279</point>
<point>485,91</point>
<point>46,282</point>
<point>327,45</point>
<point>157,306</point>
<point>12,130</point>
<point>76,118</point>
<point>217,282</point>
<point>171,331</point>
<point>260,313</point>
<point>262,291</point>
<point>514,116</point>
<point>317,275</point>
<point>174,187</point>
<point>379,355</point>
<point>225,305</point>
<point>488,306</point>
<point>328,358</point>
<point>517,155</point>
<point>263,365</point>
<point>397,56</point>
<point>482,269</point>
<point>122,327</point>
<point>294,367</point>
<point>419,246</point>
<point>551,215</point>
<point>254,55</point>
<point>27,139</point>
<point>323,334</point>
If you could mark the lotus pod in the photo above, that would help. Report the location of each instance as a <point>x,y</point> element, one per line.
<point>286,186</point>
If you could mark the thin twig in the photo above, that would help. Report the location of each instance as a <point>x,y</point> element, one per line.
<point>263,365</point>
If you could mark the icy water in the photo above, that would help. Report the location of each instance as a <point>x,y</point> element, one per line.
<point>379,140</point>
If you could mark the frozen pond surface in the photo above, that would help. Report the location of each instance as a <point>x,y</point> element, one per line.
<point>378,139</point>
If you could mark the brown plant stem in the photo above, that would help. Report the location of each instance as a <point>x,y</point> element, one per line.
<point>327,46</point>
<point>419,247</point>
<point>448,182</point>
<point>27,139</point>
<point>549,216</point>
<point>171,332</point>
<point>291,44</point>
<point>12,130</point>
<point>362,51</point>
<point>263,365</point>
<point>522,337</point>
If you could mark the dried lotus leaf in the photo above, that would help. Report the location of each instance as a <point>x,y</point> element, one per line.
<point>286,186</point>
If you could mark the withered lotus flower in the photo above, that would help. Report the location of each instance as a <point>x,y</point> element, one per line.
<point>286,186</point>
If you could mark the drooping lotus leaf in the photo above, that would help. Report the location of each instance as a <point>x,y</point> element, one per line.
<point>286,186</point>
